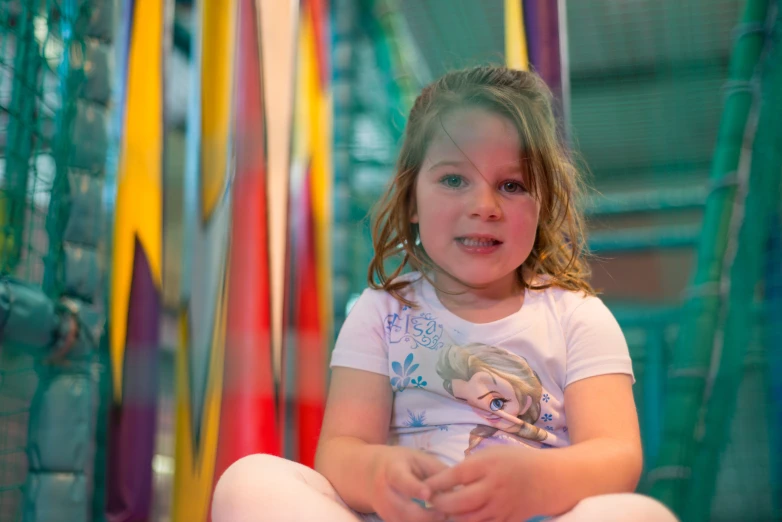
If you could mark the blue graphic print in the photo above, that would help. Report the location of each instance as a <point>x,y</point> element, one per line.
<point>546,397</point>
<point>416,420</point>
<point>546,417</point>
<point>403,373</point>
<point>414,330</point>
<point>418,382</point>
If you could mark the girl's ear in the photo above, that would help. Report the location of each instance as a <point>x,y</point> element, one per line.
<point>413,209</point>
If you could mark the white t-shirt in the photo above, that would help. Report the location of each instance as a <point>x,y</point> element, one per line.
<point>450,376</point>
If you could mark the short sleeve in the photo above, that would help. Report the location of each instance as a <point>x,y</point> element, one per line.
<point>361,340</point>
<point>595,342</point>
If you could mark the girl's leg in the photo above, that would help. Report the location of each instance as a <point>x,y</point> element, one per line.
<point>263,487</point>
<point>623,507</point>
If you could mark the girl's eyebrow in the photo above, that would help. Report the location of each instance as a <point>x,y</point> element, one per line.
<point>512,169</point>
<point>505,170</point>
<point>487,393</point>
<point>447,163</point>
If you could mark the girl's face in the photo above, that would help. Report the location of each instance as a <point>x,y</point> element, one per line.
<point>476,219</point>
<point>488,393</point>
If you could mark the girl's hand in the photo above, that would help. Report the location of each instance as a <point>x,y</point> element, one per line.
<point>497,484</point>
<point>398,478</point>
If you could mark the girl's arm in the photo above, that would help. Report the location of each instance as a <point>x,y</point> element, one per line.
<point>355,429</point>
<point>605,455</point>
<point>353,455</point>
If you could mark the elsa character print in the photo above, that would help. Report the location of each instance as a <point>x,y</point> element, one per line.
<point>491,379</point>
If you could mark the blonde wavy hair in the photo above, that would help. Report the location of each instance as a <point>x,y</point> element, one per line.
<point>559,251</point>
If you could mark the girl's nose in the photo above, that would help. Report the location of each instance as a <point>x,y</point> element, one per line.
<point>485,203</point>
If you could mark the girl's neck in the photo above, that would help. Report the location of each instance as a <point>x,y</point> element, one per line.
<point>480,305</point>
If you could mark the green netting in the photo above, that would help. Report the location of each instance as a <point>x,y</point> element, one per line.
<point>18,382</point>
<point>27,163</point>
<point>39,58</point>
<point>649,86</point>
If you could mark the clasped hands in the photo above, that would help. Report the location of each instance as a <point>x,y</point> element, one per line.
<point>495,484</point>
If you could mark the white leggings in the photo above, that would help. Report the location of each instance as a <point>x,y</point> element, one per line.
<point>267,488</point>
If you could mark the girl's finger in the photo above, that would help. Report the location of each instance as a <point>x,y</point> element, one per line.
<point>458,475</point>
<point>427,465</point>
<point>403,481</point>
<point>464,500</point>
<point>404,510</point>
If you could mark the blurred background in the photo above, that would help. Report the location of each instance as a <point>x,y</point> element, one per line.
<point>184,192</point>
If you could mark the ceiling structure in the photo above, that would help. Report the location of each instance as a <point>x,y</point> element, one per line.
<point>645,75</point>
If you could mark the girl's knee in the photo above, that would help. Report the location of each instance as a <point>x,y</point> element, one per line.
<point>251,469</point>
<point>262,488</point>
<point>620,507</point>
<point>244,485</point>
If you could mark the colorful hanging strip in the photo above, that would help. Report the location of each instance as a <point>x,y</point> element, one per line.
<point>322,176</point>
<point>207,214</point>
<point>195,459</point>
<point>300,151</point>
<point>543,39</point>
<point>321,142</point>
<point>136,272</point>
<point>210,244</point>
<point>248,419</point>
<point>278,45</point>
<point>515,37</point>
<point>308,327</point>
<point>306,354</point>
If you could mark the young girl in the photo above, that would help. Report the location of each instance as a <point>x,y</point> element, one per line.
<point>481,209</point>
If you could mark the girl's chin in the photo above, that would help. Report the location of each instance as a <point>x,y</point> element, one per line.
<point>479,280</point>
<point>473,274</point>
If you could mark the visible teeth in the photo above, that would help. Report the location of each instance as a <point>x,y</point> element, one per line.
<point>477,242</point>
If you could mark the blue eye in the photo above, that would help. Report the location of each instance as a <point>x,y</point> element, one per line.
<point>452,181</point>
<point>497,404</point>
<point>512,187</point>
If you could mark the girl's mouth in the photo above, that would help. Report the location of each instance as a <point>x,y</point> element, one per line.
<point>478,245</point>
<point>474,242</point>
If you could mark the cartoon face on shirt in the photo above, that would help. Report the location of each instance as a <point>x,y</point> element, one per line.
<point>493,380</point>
<point>488,393</point>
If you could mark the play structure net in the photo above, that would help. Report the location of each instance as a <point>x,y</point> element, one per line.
<point>53,93</point>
